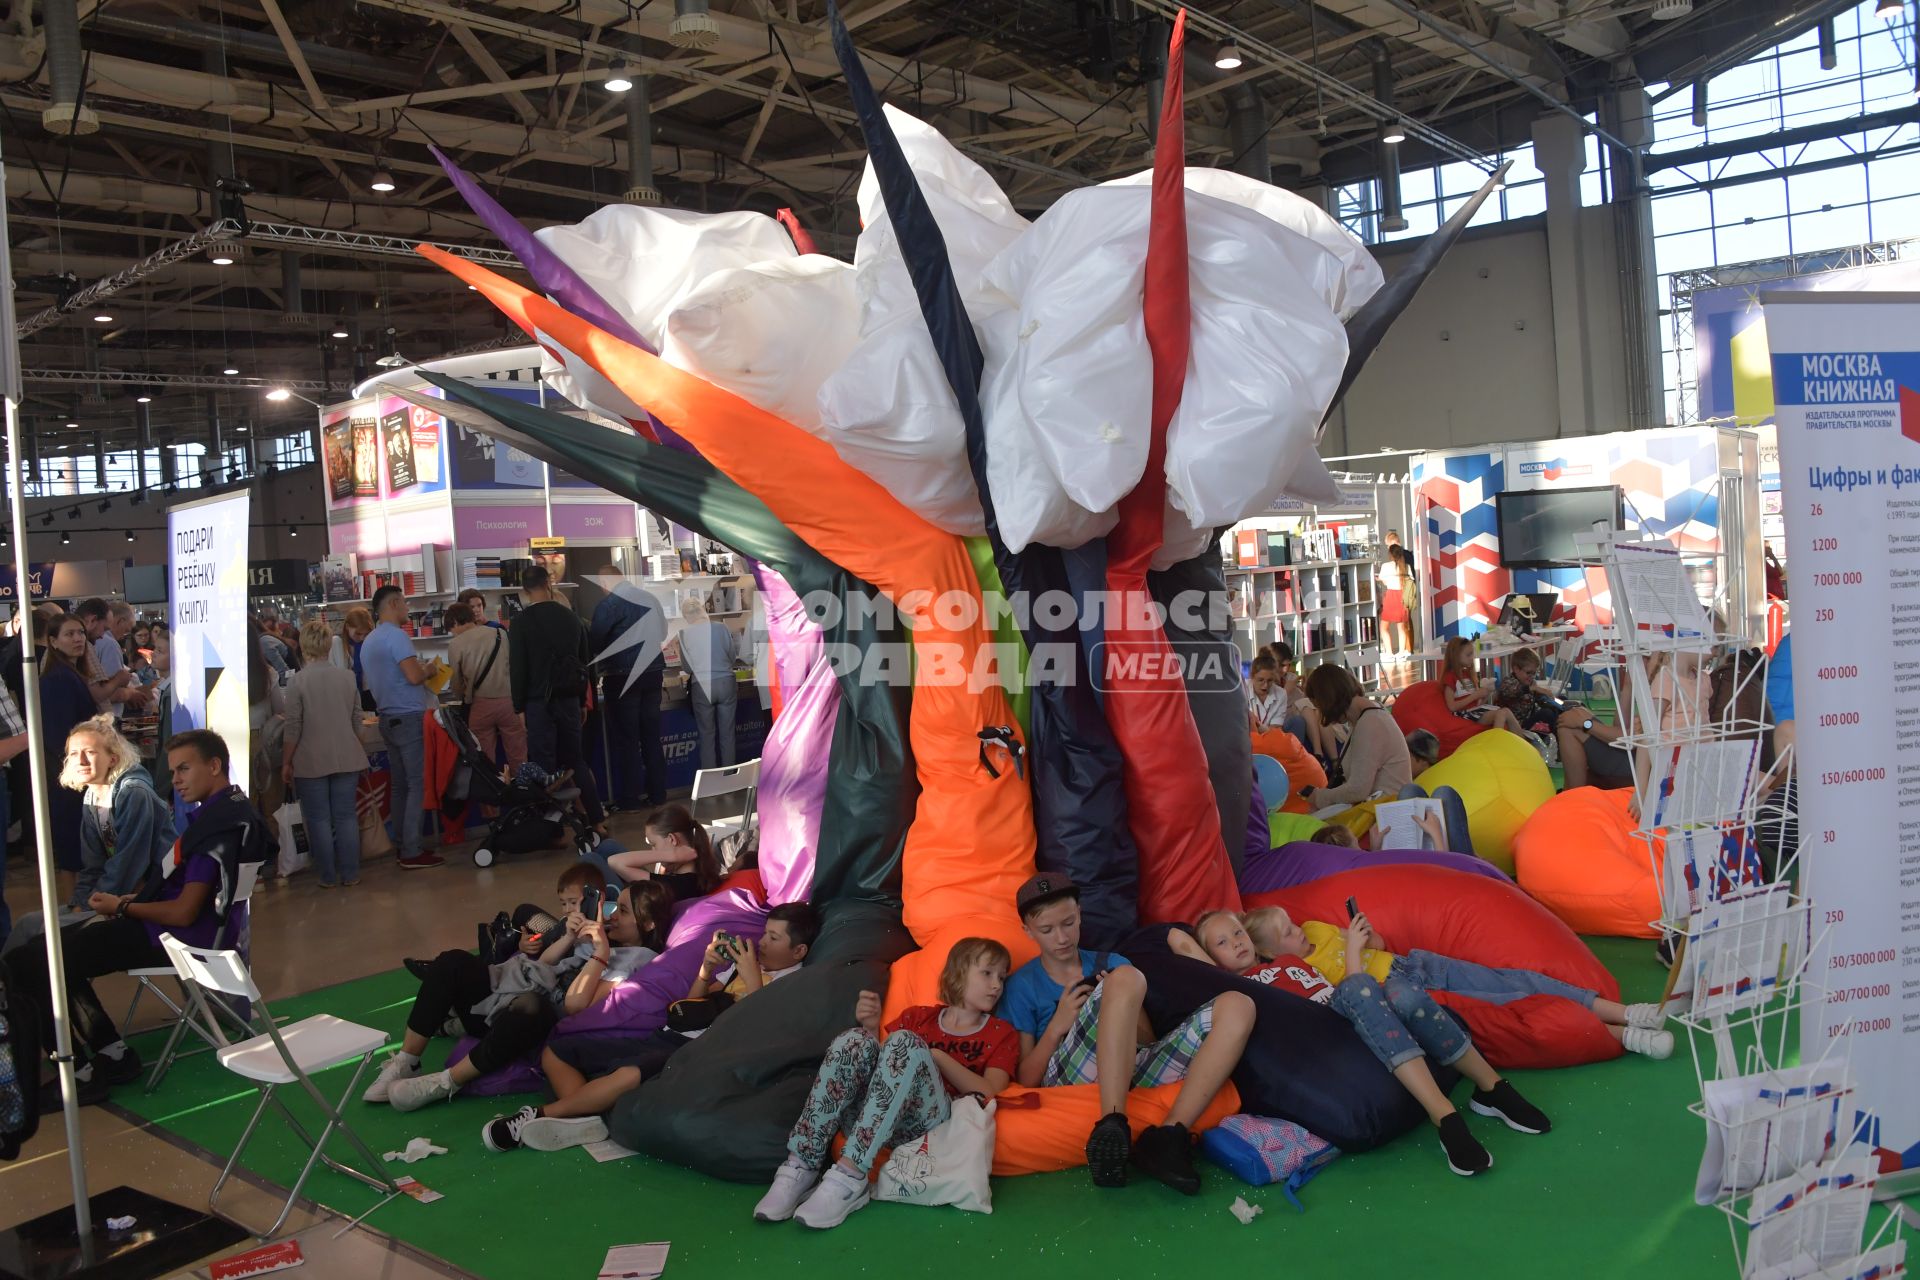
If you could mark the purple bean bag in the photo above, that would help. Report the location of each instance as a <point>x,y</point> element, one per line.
<point>1302,860</point>
<point>637,1007</point>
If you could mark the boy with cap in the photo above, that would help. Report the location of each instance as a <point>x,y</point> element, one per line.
<point>1081,1021</point>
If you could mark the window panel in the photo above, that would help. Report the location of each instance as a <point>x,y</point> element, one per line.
<point>1416,186</point>
<point>1526,200</point>
<point>1840,228</point>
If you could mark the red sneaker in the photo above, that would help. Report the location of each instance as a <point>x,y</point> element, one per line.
<point>418,861</point>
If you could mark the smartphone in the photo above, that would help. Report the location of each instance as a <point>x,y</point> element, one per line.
<point>590,901</point>
<point>1352,909</point>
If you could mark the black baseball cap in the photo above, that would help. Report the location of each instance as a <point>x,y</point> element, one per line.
<point>1042,890</point>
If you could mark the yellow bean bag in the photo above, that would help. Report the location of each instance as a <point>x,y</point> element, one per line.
<point>1578,857</point>
<point>1502,780</point>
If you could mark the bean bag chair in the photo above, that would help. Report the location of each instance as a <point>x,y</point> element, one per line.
<point>1302,769</point>
<point>1285,828</point>
<point>725,1103</point>
<point>1304,1062</point>
<point>1423,706</point>
<point>1473,917</point>
<point>1579,859</point>
<point>1301,860</point>
<point>1045,1130</point>
<point>637,1008</point>
<point>1501,780</point>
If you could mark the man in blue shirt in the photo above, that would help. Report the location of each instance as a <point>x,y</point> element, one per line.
<point>1081,1021</point>
<point>632,699</point>
<point>397,679</point>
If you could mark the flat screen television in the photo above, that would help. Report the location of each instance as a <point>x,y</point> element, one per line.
<point>1538,526</point>
<point>144,583</point>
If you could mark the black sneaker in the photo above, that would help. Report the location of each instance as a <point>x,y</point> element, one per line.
<point>1165,1151</point>
<point>1465,1156</point>
<point>1504,1102</point>
<point>503,1132</point>
<point>417,967</point>
<point>1107,1149</point>
<point>124,1069</point>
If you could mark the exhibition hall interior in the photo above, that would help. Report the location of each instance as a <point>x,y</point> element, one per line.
<point>685,638</point>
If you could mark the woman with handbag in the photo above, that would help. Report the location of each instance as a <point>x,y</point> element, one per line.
<point>482,682</point>
<point>885,1089</point>
<point>324,758</point>
<point>1374,761</point>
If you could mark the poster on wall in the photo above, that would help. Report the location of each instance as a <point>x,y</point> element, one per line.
<point>207,579</point>
<point>1846,383</point>
<point>425,426</point>
<point>337,445</point>
<point>397,435</point>
<point>366,457</point>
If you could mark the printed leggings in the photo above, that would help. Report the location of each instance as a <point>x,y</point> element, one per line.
<point>879,1095</point>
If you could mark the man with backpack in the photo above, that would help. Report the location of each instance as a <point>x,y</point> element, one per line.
<point>547,659</point>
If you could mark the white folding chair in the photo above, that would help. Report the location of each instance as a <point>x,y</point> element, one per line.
<point>275,1058</point>
<point>723,801</point>
<point>182,1019</point>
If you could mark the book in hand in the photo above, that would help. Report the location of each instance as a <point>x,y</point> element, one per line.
<point>1399,823</point>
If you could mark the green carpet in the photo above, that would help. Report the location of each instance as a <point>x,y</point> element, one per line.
<point>1607,1193</point>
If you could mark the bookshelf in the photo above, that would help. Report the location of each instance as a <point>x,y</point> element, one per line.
<point>1311,579</point>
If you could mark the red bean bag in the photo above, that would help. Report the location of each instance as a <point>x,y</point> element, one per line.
<point>1578,857</point>
<point>1424,706</point>
<point>1302,769</point>
<point>1489,922</point>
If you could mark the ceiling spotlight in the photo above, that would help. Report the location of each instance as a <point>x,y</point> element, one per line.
<point>382,181</point>
<point>105,505</point>
<point>223,253</point>
<point>620,78</point>
<point>1393,132</point>
<point>278,394</point>
<point>73,426</point>
<point>394,361</point>
<point>340,329</point>
<point>103,318</point>
<point>1228,58</point>
<point>47,518</point>
<point>129,535</point>
<point>66,539</point>
<point>143,398</point>
<point>293,531</point>
<point>73,514</point>
<point>241,429</point>
<point>230,368</point>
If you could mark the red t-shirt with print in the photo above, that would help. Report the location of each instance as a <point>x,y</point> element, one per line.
<point>996,1044</point>
<point>1291,973</point>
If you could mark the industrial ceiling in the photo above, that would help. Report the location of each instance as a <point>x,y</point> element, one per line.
<point>132,125</point>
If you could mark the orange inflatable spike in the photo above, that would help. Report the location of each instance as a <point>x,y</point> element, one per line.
<point>972,840</point>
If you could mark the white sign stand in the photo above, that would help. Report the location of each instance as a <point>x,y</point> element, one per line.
<point>1846,368</point>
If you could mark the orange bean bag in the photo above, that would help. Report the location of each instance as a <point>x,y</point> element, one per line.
<point>1489,922</point>
<point>1302,769</point>
<point>1579,859</point>
<point>1424,706</point>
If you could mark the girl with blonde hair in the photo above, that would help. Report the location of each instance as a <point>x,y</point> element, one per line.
<point>126,827</point>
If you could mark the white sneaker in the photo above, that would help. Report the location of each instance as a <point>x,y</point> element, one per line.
<point>791,1185</point>
<point>548,1133</point>
<point>395,1068</point>
<point>416,1091</point>
<point>1651,1043</point>
<point>839,1196</point>
<point>1650,1016</point>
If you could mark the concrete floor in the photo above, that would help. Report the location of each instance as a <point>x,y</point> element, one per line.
<point>342,934</point>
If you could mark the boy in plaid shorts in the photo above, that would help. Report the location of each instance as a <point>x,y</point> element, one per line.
<point>1081,1021</point>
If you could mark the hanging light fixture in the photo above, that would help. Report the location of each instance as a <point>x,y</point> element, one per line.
<point>230,368</point>
<point>1228,58</point>
<point>340,329</point>
<point>129,535</point>
<point>692,26</point>
<point>382,181</point>
<point>66,539</point>
<point>143,398</point>
<point>293,531</point>
<point>620,78</point>
<point>223,253</point>
<point>1393,131</point>
<point>1889,9</point>
<point>103,318</point>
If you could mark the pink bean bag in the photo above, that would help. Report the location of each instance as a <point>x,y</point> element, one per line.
<point>1488,921</point>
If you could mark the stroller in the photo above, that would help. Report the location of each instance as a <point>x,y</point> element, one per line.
<point>532,810</point>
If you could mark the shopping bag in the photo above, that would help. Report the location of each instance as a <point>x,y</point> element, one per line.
<point>296,851</point>
<point>948,1165</point>
<point>368,801</point>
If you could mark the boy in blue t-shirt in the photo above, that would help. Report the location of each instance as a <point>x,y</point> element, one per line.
<point>1081,1021</point>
